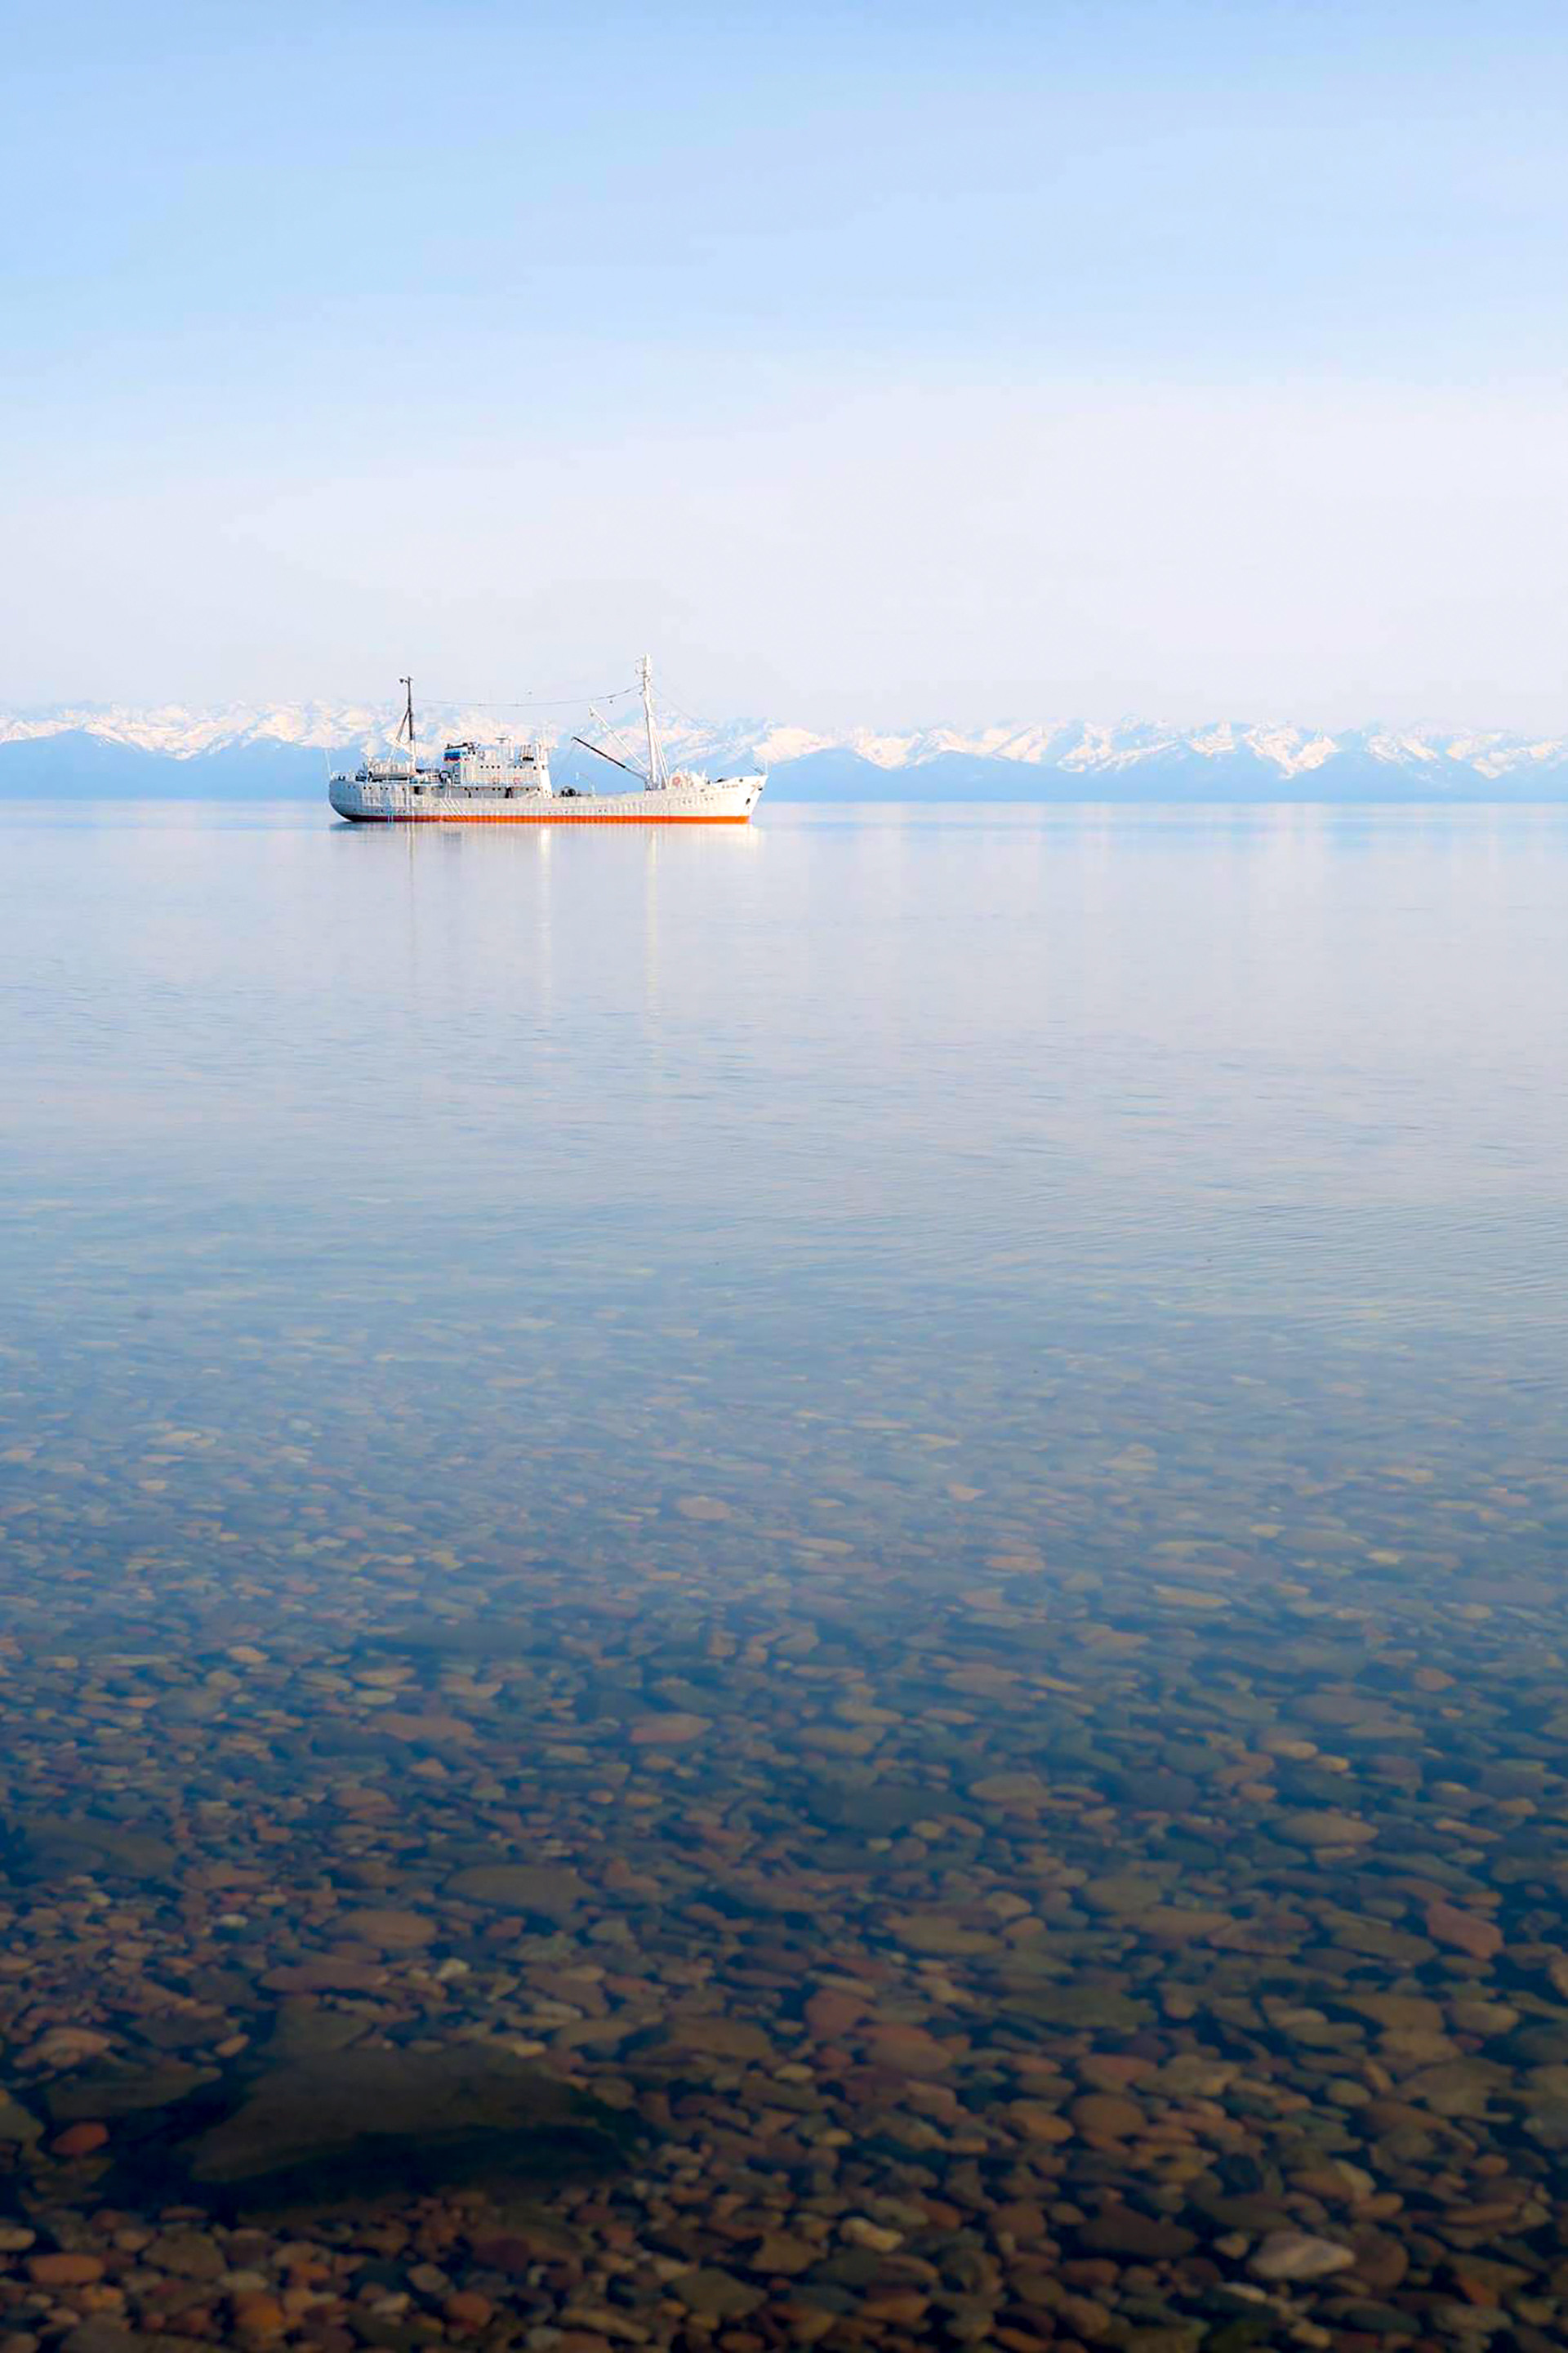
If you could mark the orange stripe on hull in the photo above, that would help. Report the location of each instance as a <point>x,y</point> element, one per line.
<point>443,817</point>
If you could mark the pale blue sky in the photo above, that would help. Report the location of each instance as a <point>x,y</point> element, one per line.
<point>884,362</point>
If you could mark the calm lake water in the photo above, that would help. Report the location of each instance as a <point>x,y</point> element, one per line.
<point>888,1491</point>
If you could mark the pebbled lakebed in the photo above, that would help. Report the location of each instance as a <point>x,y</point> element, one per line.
<point>812,1596</point>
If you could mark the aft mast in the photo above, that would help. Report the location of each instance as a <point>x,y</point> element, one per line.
<point>658,773</point>
<point>407,719</point>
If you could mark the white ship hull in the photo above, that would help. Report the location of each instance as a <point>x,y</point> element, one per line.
<point>508,783</point>
<point>372,800</point>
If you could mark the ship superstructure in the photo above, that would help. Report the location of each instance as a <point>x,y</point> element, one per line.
<point>508,783</point>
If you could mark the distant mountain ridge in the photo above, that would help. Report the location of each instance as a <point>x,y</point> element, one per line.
<point>235,751</point>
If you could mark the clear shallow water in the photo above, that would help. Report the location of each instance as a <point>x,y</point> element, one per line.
<point>688,1362</point>
<point>1035,1127</point>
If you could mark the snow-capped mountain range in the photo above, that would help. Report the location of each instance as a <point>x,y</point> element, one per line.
<point>286,747</point>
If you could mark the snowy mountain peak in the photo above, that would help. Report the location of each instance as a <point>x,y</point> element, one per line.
<point>1128,756</point>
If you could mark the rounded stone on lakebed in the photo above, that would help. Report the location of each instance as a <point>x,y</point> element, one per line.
<point>716,2037</point>
<point>942,1937</point>
<point>64,2270</point>
<point>1314,1827</point>
<point>1143,2238</point>
<point>1295,2255</point>
<point>1122,1894</point>
<point>549,1889</point>
<point>676,1731</point>
<point>1026,1791</point>
<point>388,1931</point>
<point>1037,2122</point>
<point>1101,2115</point>
<point>716,2294</point>
<point>80,2140</point>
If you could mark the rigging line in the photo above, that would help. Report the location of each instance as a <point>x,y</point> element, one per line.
<point>529,702</point>
<point>614,733</point>
<point>707,725</point>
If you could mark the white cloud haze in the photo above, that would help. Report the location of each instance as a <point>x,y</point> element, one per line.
<point>1323,552</point>
<point>885,363</point>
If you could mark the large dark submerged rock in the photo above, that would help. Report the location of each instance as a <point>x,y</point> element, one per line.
<point>350,2128</point>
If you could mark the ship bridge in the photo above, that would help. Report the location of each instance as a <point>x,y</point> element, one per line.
<point>503,766</point>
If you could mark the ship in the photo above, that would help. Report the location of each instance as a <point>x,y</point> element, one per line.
<point>508,783</point>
